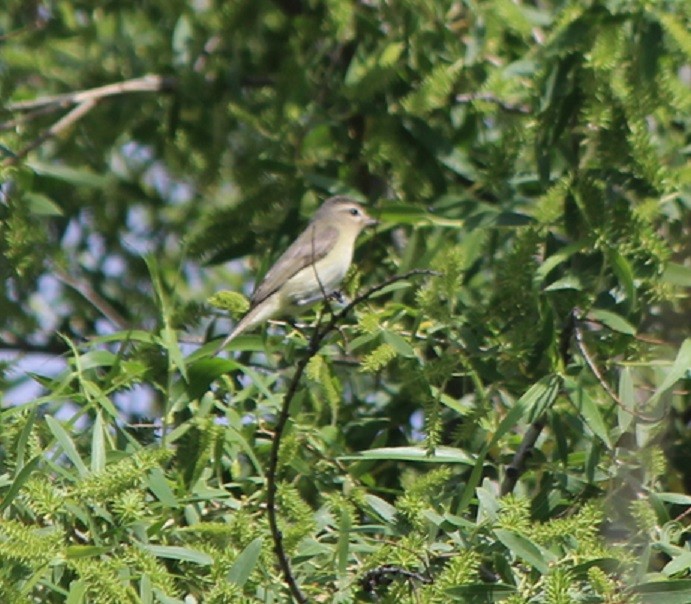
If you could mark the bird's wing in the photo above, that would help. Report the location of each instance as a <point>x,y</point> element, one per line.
<point>315,242</point>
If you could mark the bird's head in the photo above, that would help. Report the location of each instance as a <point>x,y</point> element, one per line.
<point>345,213</point>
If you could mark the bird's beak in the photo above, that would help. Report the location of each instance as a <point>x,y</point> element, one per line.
<point>371,222</point>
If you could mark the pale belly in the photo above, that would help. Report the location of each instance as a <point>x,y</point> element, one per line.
<point>312,283</point>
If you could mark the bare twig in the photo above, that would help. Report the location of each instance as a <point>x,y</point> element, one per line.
<point>517,465</point>
<point>85,100</point>
<point>92,296</point>
<point>572,331</point>
<point>580,343</point>
<point>320,332</point>
<point>683,515</point>
<point>488,97</point>
<point>62,124</point>
<point>525,449</point>
<point>147,83</point>
<point>29,116</point>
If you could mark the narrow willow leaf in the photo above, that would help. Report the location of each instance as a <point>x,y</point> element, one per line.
<point>614,321</point>
<point>626,396</point>
<point>86,551</point>
<point>680,368</point>
<point>66,444</point>
<point>540,396</point>
<point>624,273</point>
<point>174,552</point>
<point>77,592</point>
<point>24,437</point>
<point>343,546</point>
<point>42,205</point>
<point>244,564</point>
<point>524,548</point>
<point>19,480</point>
<point>677,274</point>
<point>675,498</point>
<point>588,408</point>
<point>77,177</point>
<point>555,260</point>
<point>441,455</point>
<point>664,592</point>
<point>382,508</point>
<point>399,344</point>
<point>158,484</point>
<point>98,445</point>
<point>678,564</point>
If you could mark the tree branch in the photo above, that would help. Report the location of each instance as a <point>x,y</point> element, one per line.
<point>85,100</point>
<point>320,333</point>
<point>147,83</point>
<point>517,465</point>
<point>62,124</point>
<point>92,296</point>
<point>580,343</point>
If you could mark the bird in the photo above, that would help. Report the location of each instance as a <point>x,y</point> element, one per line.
<point>312,268</point>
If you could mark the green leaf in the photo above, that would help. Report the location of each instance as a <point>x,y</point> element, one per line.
<point>540,396</point>
<point>678,564</point>
<point>86,551</point>
<point>24,435</point>
<point>66,444</point>
<point>572,282</point>
<point>415,215</point>
<point>680,368</point>
<point>555,260</point>
<point>399,344</point>
<point>524,548</point>
<point>42,205</point>
<point>73,176</point>
<point>677,274</point>
<point>98,445</point>
<point>19,480</point>
<point>182,554</point>
<point>589,410</point>
<point>624,273</point>
<point>612,320</point>
<point>627,397</point>
<point>664,592</point>
<point>441,455</point>
<point>244,564</point>
<point>343,545</point>
<point>675,498</point>
<point>382,508</point>
<point>158,484</point>
<point>77,593</point>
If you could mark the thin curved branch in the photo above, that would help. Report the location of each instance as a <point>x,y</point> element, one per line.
<point>320,332</point>
<point>582,348</point>
<point>84,101</point>
<point>97,301</point>
<point>61,125</point>
<point>147,83</point>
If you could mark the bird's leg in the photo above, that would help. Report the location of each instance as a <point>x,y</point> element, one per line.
<point>338,296</point>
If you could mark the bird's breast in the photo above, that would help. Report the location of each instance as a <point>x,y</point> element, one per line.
<point>323,277</point>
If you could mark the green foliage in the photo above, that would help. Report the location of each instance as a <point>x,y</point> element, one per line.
<point>509,427</point>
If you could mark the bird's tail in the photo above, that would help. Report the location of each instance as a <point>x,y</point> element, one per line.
<point>260,313</point>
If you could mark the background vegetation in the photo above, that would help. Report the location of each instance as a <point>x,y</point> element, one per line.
<point>511,428</point>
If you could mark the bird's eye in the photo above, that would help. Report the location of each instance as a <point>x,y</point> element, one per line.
<point>354,212</point>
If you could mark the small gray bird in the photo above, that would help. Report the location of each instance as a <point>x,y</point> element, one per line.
<point>312,268</point>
